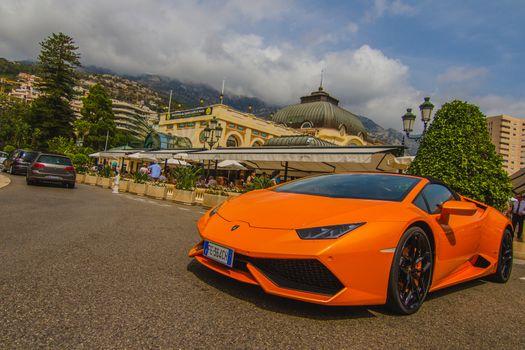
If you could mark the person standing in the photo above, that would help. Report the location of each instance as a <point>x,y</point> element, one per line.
<point>520,210</point>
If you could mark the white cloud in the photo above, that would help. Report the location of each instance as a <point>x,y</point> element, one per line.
<point>496,105</point>
<point>462,74</point>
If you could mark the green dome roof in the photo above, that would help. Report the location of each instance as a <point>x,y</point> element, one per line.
<point>322,111</point>
<point>297,140</point>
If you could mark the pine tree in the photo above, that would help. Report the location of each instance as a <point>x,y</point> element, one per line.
<point>57,64</point>
<point>457,150</point>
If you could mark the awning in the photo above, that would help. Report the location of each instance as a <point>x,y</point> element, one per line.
<point>107,154</point>
<point>304,160</point>
<point>401,163</point>
<point>172,161</point>
<point>142,156</point>
<point>172,153</point>
<point>230,165</point>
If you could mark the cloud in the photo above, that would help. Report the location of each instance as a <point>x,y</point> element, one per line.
<point>461,74</point>
<point>496,105</point>
<point>388,7</point>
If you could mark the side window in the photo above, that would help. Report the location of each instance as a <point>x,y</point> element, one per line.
<point>436,195</point>
<point>420,202</point>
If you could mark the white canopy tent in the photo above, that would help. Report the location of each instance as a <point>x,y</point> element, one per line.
<point>301,161</point>
<point>172,161</point>
<point>142,156</point>
<point>230,165</point>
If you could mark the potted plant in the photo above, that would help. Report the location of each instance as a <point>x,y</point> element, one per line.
<point>138,186</point>
<point>156,189</point>
<point>123,185</point>
<point>259,183</point>
<point>104,177</point>
<point>214,196</point>
<point>235,191</point>
<point>80,162</point>
<point>91,178</point>
<point>186,177</point>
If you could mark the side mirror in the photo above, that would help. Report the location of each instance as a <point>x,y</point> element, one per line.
<point>456,208</point>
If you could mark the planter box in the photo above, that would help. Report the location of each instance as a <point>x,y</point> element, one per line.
<point>138,189</point>
<point>234,194</point>
<point>157,192</point>
<point>90,180</point>
<point>211,200</point>
<point>170,192</point>
<point>123,185</point>
<point>105,182</point>
<point>184,197</point>
<point>80,178</point>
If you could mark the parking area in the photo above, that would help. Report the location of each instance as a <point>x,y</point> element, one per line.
<point>85,268</point>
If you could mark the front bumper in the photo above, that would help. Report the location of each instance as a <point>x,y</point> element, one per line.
<point>347,271</point>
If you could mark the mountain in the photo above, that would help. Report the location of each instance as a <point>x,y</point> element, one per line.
<point>189,94</point>
<point>388,136</point>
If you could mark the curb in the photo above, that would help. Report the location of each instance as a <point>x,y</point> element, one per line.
<point>4,181</point>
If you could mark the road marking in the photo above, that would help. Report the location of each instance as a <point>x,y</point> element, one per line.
<point>185,209</point>
<point>522,278</point>
<point>519,262</point>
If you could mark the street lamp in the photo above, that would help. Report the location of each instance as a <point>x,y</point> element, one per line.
<point>409,118</point>
<point>212,133</point>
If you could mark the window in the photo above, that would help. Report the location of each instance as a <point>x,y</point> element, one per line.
<point>420,203</point>
<point>232,141</point>
<point>435,195</point>
<point>48,159</point>
<point>360,186</point>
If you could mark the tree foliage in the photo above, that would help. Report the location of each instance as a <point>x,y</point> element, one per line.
<point>14,127</point>
<point>457,150</point>
<point>56,69</point>
<point>57,65</point>
<point>97,116</point>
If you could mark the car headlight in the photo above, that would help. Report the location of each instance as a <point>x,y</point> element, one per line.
<point>327,232</point>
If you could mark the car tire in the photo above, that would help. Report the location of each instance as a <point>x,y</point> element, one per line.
<point>12,170</point>
<point>411,272</point>
<point>505,258</point>
<point>29,182</point>
<point>71,185</point>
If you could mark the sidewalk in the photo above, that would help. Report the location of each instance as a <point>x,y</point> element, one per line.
<point>4,181</point>
<point>519,250</point>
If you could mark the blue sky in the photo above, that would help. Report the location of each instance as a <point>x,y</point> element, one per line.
<point>379,56</point>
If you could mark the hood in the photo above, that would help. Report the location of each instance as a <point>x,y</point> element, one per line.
<point>280,210</point>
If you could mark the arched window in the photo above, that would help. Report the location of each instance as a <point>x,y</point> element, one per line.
<point>232,141</point>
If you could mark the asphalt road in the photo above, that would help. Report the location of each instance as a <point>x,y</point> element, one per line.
<point>86,268</point>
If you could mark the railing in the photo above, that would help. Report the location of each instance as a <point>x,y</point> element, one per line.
<point>199,194</point>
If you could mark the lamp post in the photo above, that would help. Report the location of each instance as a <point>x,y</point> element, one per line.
<point>409,118</point>
<point>212,135</point>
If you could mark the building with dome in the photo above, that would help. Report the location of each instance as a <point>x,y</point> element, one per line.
<point>319,115</point>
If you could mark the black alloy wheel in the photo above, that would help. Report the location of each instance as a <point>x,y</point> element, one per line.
<point>504,269</point>
<point>411,272</point>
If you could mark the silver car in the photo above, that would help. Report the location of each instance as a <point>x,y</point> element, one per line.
<point>54,168</point>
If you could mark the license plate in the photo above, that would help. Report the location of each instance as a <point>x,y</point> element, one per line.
<point>53,177</point>
<point>218,253</point>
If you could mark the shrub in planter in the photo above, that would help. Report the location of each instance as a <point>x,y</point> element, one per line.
<point>123,185</point>
<point>156,190</point>
<point>138,186</point>
<point>186,178</point>
<point>259,183</point>
<point>214,196</point>
<point>90,179</point>
<point>104,177</point>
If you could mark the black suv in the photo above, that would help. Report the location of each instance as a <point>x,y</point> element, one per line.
<point>19,161</point>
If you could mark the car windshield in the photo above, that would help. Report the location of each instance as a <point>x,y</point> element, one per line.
<point>359,186</point>
<point>28,156</point>
<point>49,159</point>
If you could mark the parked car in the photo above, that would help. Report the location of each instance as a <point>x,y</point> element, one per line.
<point>53,168</point>
<point>356,239</point>
<point>19,160</point>
<point>3,156</point>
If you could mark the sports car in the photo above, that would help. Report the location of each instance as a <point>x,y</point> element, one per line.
<point>356,239</point>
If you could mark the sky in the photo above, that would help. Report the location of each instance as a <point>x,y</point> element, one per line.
<point>378,57</point>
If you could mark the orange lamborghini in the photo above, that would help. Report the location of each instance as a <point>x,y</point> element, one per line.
<point>356,239</point>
